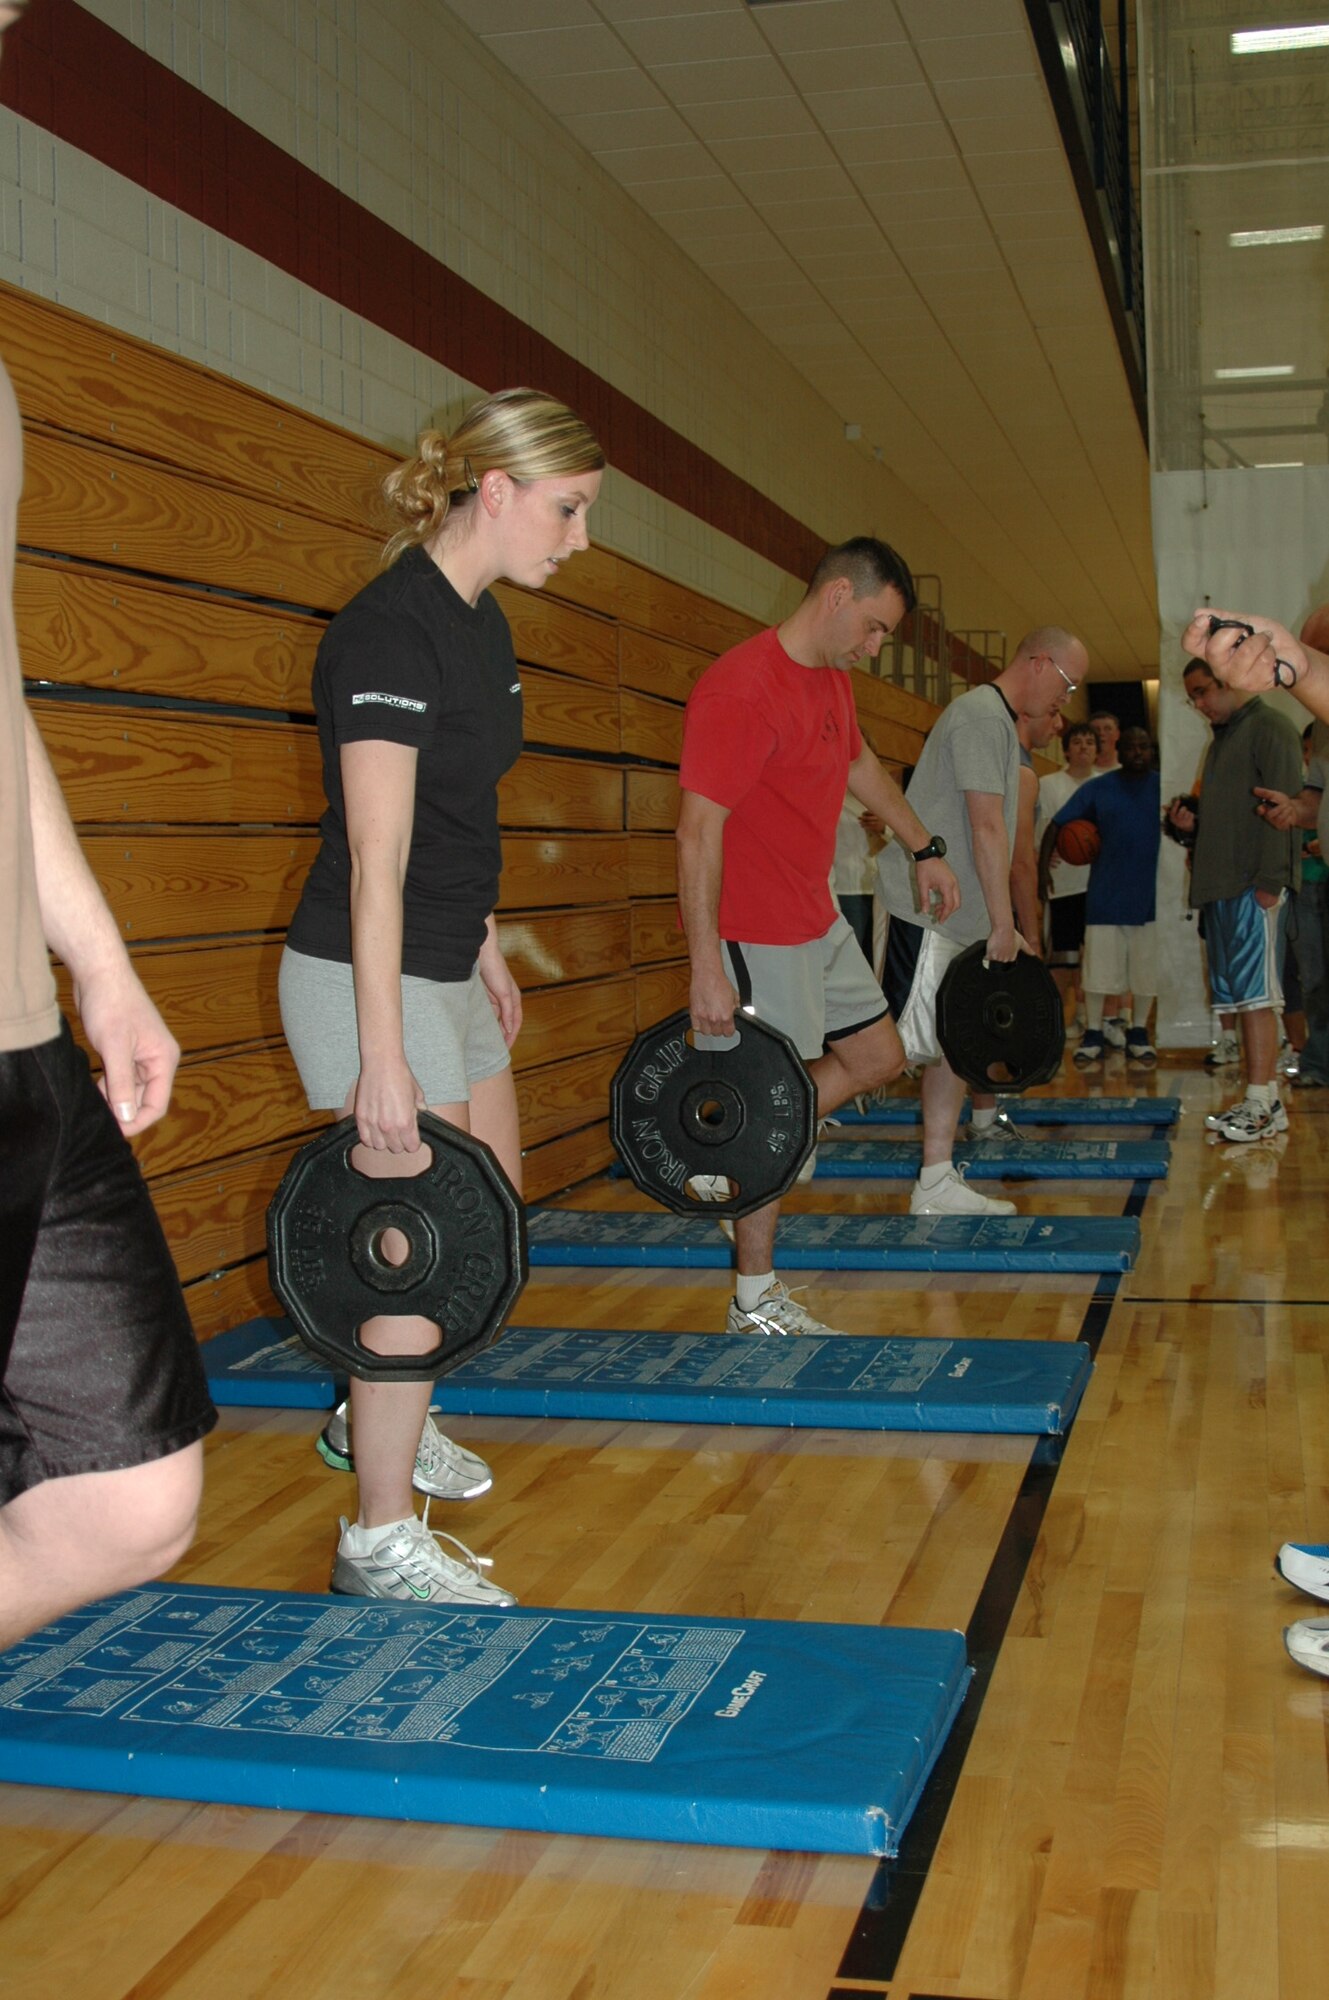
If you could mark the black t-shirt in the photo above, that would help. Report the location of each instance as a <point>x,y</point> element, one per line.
<point>409,661</point>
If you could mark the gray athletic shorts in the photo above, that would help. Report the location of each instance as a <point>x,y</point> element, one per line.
<point>451,1035</point>
<point>815,993</point>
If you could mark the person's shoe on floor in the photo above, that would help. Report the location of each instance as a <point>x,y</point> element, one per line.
<point>1307,1643</point>
<point>444,1470</point>
<point>944,1191</point>
<point>402,1560</point>
<point>1249,1118</point>
<point>777,1311</point>
<point>999,1128</point>
<point>1305,1565</point>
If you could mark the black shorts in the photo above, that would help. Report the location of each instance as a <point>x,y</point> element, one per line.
<point>1066,926</point>
<point>99,1367</point>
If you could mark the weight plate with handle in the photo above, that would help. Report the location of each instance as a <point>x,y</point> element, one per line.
<point>1001,1026</point>
<point>466,1262</point>
<point>746,1114</point>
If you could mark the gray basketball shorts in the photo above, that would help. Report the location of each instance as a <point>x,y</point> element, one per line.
<point>815,993</point>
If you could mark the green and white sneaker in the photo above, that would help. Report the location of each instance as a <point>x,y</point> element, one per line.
<point>443,1470</point>
<point>403,1561</point>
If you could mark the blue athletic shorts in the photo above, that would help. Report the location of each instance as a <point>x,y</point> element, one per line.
<point>1244,943</point>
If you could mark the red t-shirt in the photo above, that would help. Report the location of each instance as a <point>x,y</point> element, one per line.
<point>772,741</point>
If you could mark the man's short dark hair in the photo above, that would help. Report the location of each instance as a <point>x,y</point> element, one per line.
<point>1079,729</point>
<point>870,565</point>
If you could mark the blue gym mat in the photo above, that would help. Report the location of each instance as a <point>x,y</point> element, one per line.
<point>868,1383</point>
<point>998,1159</point>
<point>1030,1111</point>
<point>843,1242</point>
<point>747,1734</point>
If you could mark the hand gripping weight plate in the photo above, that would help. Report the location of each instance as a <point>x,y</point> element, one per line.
<point>746,1114</point>
<point>1001,1026</point>
<point>466,1263</point>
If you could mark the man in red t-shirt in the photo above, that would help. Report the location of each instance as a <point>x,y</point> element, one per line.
<point>770,742</point>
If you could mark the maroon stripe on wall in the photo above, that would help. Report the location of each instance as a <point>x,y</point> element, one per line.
<point>69,73</point>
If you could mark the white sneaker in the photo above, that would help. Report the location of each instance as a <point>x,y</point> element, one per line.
<point>1225,1052</point>
<point>1003,1126</point>
<point>710,1187</point>
<point>1247,1119</point>
<point>408,1565</point>
<point>1308,1644</point>
<point>1114,1031</point>
<point>443,1470</point>
<point>1305,1565</point>
<point>952,1195</point>
<point>777,1311</point>
<point>1288,1063</point>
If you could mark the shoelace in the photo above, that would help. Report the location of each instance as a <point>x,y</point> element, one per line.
<point>478,1564</point>
<point>784,1296</point>
<point>435,1452</point>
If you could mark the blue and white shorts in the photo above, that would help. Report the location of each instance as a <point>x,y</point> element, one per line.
<point>1244,942</point>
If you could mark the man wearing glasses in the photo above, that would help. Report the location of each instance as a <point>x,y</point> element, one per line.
<point>966,788</point>
<point>1242,867</point>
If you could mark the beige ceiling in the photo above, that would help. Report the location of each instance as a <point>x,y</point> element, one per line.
<point>881,186</point>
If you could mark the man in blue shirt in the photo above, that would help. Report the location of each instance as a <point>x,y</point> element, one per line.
<point>1119,950</point>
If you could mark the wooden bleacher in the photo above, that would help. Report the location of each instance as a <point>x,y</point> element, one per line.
<point>183,542</point>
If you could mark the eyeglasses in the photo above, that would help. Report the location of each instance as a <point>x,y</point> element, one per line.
<point>1070,684</point>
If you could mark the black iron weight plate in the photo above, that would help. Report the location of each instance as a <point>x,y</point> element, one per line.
<point>467,1263</point>
<point>1001,1026</point>
<point>747,1113</point>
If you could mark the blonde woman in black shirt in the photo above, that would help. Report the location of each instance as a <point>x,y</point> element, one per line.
<point>394,993</point>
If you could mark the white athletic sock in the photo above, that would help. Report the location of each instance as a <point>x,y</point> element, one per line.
<point>1093,1012</point>
<point>930,1177</point>
<point>982,1117</point>
<point>1261,1094</point>
<point>749,1291</point>
<point>358,1541</point>
<point>1143,1004</point>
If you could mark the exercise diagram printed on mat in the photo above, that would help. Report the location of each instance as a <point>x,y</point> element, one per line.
<point>336,1257</point>
<point>766,1734</point>
<point>745,1114</point>
<point>1001,1026</point>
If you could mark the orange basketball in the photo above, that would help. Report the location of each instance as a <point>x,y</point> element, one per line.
<point>1079,841</point>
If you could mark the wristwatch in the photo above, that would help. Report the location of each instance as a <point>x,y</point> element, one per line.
<point>934,851</point>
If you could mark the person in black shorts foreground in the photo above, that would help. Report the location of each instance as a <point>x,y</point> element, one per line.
<point>103,1401</point>
<point>394,992</point>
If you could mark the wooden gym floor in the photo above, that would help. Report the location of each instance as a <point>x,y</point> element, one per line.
<point>1134,1803</point>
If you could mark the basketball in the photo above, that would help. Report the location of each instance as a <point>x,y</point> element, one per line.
<point>1079,841</point>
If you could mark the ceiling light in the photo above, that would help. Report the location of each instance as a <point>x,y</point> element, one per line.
<point>1252,374</point>
<point>1273,41</point>
<point>1256,239</point>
